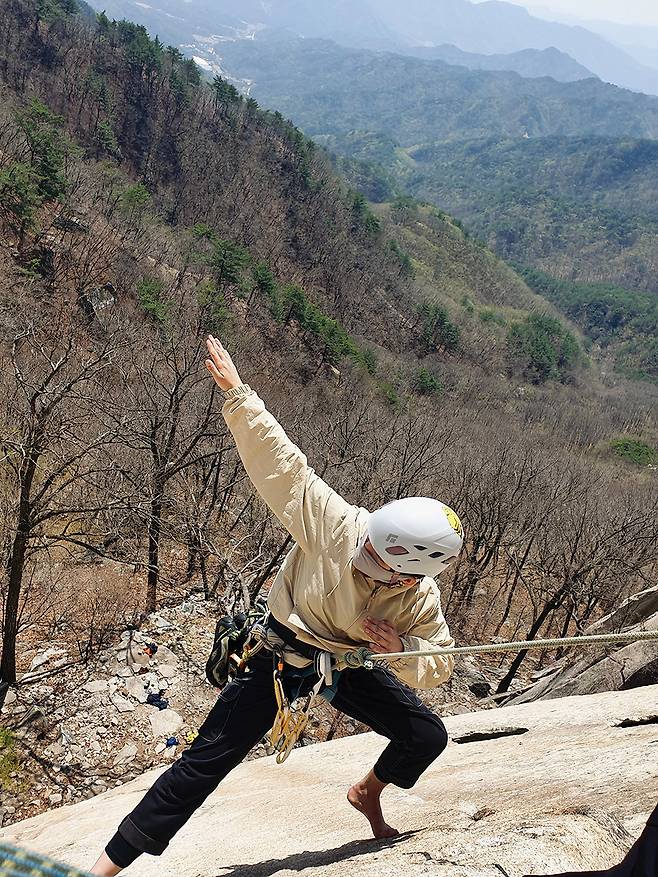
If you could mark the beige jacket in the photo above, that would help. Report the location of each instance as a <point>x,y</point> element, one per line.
<point>317,592</point>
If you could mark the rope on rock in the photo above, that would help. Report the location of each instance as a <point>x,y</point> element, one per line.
<point>363,657</point>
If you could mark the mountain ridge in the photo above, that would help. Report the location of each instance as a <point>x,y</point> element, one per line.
<point>529,63</point>
<point>492,27</point>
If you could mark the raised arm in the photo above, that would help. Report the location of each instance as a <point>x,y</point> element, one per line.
<point>306,506</point>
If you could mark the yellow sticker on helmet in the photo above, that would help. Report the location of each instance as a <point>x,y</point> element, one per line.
<point>454,521</point>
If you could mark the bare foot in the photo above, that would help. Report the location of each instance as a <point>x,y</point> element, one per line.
<point>364,798</point>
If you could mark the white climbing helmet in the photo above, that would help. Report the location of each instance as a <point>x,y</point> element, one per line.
<point>416,535</point>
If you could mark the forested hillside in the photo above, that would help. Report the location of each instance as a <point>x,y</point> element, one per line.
<point>142,208</point>
<point>332,89</point>
<point>560,177</point>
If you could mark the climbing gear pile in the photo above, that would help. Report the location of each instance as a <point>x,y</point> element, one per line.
<point>229,651</point>
<point>363,657</point>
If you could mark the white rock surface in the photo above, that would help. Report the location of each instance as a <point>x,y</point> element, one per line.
<point>122,703</point>
<point>126,754</point>
<point>569,794</point>
<point>137,655</point>
<point>96,685</point>
<point>44,658</point>
<point>137,689</point>
<point>165,722</point>
<point>166,658</point>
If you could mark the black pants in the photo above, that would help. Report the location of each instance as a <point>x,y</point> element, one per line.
<point>641,860</point>
<point>243,714</point>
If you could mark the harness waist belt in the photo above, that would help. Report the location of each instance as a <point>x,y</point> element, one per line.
<point>289,638</point>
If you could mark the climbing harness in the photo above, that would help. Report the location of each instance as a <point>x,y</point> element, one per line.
<point>363,657</point>
<point>289,723</point>
<point>238,638</point>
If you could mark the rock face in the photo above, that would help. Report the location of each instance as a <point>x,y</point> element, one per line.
<point>605,669</point>
<point>633,611</point>
<point>540,788</point>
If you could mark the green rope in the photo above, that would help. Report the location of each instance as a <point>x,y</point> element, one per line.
<point>363,657</point>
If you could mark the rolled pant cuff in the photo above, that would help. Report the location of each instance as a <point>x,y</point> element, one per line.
<point>385,777</point>
<point>120,852</point>
<point>139,840</point>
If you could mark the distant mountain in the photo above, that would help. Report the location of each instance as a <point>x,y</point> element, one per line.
<point>498,27</point>
<point>201,27</point>
<point>640,42</point>
<point>328,88</point>
<point>205,24</point>
<point>530,63</point>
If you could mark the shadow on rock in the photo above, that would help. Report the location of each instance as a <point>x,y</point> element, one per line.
<point>314,858</point>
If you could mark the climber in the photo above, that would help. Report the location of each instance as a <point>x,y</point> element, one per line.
<point>640,861</point>
<point>351,579</point>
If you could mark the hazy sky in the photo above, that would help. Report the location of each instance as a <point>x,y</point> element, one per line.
<point>626,11</point>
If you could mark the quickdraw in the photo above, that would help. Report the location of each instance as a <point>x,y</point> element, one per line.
<point>289,723</point>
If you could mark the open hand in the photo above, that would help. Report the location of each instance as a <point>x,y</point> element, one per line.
<point>220,365</point>
<point>383,636</point>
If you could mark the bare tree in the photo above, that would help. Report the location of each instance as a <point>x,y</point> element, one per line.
<point>57,450</point>
<point>172,423</point>
<point>584,548</point>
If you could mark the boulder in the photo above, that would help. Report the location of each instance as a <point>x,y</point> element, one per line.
<point>121,703</point>
<point>599,669</point>
<point>166,658</point>
<point>137,688</point>
<point>51,659</point>
<point>632,611</point>
<point>96,685</point>
<point>165,723</point>
<point>125,755</point>
<point>135,654</point>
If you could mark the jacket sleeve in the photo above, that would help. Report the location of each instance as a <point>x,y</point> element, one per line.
<point>306,506</point>
<point>429,630</point>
